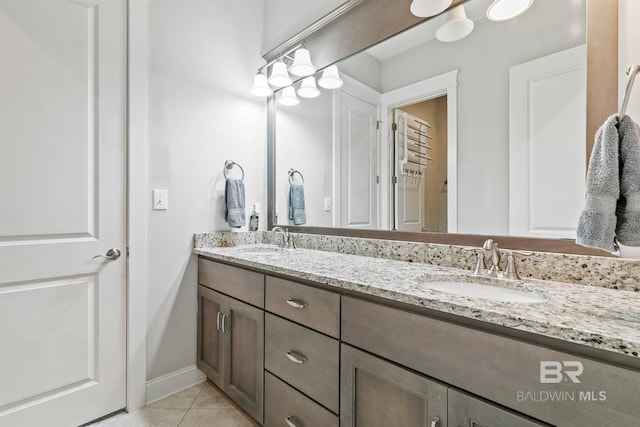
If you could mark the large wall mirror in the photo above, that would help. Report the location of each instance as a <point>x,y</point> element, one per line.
<point>445,141</point>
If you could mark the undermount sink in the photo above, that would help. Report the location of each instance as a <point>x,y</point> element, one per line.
<point>263,249</point>
<point>488,292</point>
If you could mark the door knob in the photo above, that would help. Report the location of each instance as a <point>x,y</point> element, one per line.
<point>112,254</point>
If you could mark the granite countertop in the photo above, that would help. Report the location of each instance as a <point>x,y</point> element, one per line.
<point>594,316</point>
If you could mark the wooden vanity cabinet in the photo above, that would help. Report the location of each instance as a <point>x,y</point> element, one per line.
<point>231,335</point>
<point>377,393</point>
<point>302,355</point>
<point>296,355</point>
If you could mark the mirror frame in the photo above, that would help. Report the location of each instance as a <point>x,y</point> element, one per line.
<point>359,24</point>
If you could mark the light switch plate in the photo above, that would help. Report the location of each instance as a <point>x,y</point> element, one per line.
<point>327,204</point>
<point>160,200</point>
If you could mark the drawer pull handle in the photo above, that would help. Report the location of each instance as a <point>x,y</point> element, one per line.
<point>435,422</point>
<point>218,321</point>
<point>293,422</point>
<point>224,319</point>
<point>296,304</point>
<point>296,357</point>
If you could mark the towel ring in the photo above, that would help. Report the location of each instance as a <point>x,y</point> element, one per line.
<point>292,172</point>
<point>228,165</point>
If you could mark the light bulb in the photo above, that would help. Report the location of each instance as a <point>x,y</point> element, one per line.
<point>457,26</point>
<point>330,78</point>
<point>427,8</point>
<point>279,76</point>
<point>502,10</point>
<point>302,65</point>
<point>260,86</point>
<point>288,97</point>
<point>308,88</point>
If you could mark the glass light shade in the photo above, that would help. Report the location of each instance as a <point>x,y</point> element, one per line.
<point>279,76</point>
<point>426,8</point>
<point>502,10</point>
<point>288,97</point>
<point>302,65</point>
<point>457,26</point>
<point>330,78</point>
<point>260,86</point>
<point>308,88</point>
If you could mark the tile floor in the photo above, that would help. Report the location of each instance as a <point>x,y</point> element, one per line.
<point>199,406</point>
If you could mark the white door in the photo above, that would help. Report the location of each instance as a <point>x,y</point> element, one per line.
<point>409,203</point>
<point>358,163</point>
<point>547,126</point>
<point>62,188</point>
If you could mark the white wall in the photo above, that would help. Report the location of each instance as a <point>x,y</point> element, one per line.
<point>202,59</point>
<point>305,143</point>
<point>629,52</point>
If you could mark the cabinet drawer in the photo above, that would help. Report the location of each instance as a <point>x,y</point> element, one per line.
<point>306,359</point>
<point>285,403</point>
<point>466,410</point>
<point>233,281</point>
<point>309,306</point>
<point>501,369</point>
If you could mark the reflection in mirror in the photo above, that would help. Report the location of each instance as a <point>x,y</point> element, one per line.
<point>504,110</point>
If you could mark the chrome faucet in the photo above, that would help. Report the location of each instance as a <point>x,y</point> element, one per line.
<point>490,245</point>
<point>287,239</point>
<point>510,271</point>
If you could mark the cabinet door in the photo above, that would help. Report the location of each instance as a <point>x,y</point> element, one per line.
<point>377,393</point>
<point>467,411</point>
<point>243,328</point>
<point>210,338</point>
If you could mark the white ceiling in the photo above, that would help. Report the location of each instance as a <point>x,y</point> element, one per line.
<point>475,9</point>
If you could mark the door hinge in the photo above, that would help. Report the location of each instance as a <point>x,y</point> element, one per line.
<point>394,127</point>
<point>378,123</point>
<point>377,179</point>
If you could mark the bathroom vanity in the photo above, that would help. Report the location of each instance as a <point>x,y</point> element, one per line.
<point>318,338</point>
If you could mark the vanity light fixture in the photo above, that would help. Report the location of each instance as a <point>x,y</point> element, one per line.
<point>302,65</point>
<point>308,88</point>
<point>502,10</point>
<point>330,78</point>
<point>279,75</point>
<point>456,27</point>
<point>288,97</point>
<point>261,87</point>
<point>427,8</point>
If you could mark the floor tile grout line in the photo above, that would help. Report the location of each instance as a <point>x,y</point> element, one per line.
<point>202,387</point>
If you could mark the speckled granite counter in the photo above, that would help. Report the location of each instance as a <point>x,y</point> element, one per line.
<point>603,318</point>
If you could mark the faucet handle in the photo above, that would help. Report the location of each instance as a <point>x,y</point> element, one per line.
<point>511,272</point>
<point>481,266</point>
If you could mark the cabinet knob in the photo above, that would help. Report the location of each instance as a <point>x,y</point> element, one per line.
<point>293,421</point>
<point>296,357</point>
<point>296,304</point>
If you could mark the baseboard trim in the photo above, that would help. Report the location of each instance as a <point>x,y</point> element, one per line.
<point>161,387</point>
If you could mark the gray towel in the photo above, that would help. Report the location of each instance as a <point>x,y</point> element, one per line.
<point>628,208</point>
<point>597,223</point>
<point>296,205</point>
<point>234,212</point>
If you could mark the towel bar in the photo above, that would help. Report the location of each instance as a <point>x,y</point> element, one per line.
<point>228,165</point>
<point>292,172</point>
<point>631,72</point>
